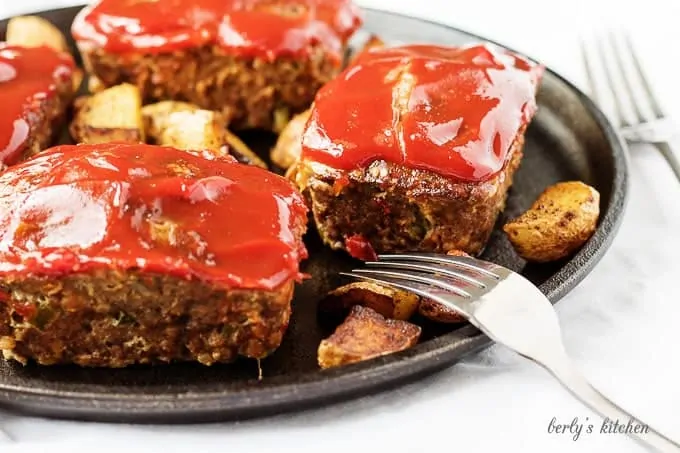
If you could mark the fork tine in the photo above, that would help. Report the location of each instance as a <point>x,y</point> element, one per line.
<point>424,268</point>
<point>653,101</point>
<point>412,277</point>
<point>410,288</point>
<point>478,266</point>
<point>619,108</point>
<point>618,59</point>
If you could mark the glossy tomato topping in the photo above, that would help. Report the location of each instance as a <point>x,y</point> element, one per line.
<point>121,206</point>
<point>262,28</point>
<point>28,76</point>
<point>454,111</point>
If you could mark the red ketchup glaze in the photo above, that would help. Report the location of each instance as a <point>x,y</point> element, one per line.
<point>262,28</point>
<point>132,206</point>
<point>452,111</point>
<point>358,247</point>
<point>27,76</point>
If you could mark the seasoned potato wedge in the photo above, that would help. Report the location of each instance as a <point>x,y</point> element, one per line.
<point>390,303</point>
<point>114,114</point>
<point>156,116</point>
<point>289,144</point>
<point>438,312</point>
<point>197,130</point>
<point>281,119</point>
<point>34,31</point>
<point>560,221</point>
<point>185,125</point>
<point>366,334</point>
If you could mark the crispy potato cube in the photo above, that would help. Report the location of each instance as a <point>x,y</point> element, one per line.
<point>289,144</point>
<point>437,312</point>
<point>389,302</point>
<point>559,222</point>
<point>193,131</point>
<point>281,119</point>
<point>156,115</point>
<point>185,125</point>
<point>364,335</point>
<point>110,115</point>
<point>34,31</point>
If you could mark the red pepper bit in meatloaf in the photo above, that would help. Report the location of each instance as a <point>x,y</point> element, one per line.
<point>119,206</point>
<point>262,28</point>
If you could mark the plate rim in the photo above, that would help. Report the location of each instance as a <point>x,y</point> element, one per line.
<point>351,380</point>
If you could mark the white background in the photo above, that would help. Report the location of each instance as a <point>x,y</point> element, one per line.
<point>620,324</point>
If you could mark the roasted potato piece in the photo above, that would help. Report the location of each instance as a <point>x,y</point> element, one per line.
<point>390,303</point>
<point>289,144</point>
<point>193,131</point>
<point>560,221</point>
<point>34,31</point>
<point>114,114</point>
<point>364,335</point>
<point>437,312</point>
<point>281,119</point>
<point>182,125</point>
<point>156,116</point>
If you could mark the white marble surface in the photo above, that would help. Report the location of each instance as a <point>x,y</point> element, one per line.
<point>619,324</point>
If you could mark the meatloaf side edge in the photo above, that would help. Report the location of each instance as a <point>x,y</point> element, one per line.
<point>398,209</point>
<point>248,90</point>
<point>114,319</point>
<point>46,116</point>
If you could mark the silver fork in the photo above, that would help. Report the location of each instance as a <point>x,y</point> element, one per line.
<point>507,308</point>
<point>639,115</point>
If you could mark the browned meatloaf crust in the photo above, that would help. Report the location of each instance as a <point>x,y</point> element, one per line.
<point>248,90</point>
<point>399,209</point>
<point>105,319</point>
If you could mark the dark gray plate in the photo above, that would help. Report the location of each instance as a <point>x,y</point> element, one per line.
<point>569,139</point>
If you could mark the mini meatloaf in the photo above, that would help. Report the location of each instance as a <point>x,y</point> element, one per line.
<point>414,148</point>
<point>116,254</point>
<point>254,60</point>
<point>36,86</point>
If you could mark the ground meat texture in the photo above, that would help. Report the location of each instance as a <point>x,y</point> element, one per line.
<point>400,209</point>
<point>106,319</point>
<point>247,90</point>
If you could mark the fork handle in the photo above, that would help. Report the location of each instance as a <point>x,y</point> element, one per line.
<point>670,153</point>
<point>572,380</point>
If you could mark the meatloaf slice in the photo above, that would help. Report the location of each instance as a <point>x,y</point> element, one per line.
<point>387,207</point>
<point>37,85</point>
<point>117,254</point>
<point>414,148</point>
<point>256,61</point>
